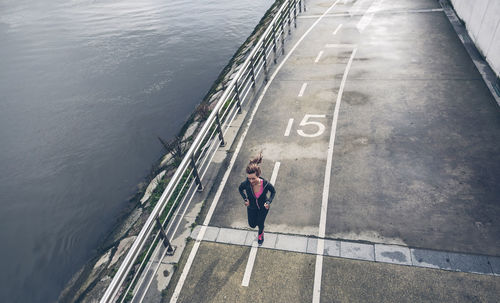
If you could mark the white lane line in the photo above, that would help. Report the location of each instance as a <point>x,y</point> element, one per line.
<point>196,246</point>
<point>318,57</point>
<point>255,246</point>
<point>274,175</point>
<point>288,127</point>
<point>368,16</point>
<point>251,261</point>
<point>326,186</point>
<point>302,89</point>
<point>337,29</point>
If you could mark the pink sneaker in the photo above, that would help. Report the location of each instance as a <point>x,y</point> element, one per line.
<point>261,238</point>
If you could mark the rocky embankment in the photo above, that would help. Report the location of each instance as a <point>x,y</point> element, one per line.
<point>90,282</point>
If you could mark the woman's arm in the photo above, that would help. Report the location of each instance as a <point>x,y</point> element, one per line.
<point>241,188</point>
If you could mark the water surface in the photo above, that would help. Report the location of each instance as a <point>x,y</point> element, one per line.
<point>85,89</point>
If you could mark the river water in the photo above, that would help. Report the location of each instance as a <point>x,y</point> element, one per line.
<point>85,89</point>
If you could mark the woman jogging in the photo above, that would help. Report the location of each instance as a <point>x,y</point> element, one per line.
<point>254,191</point>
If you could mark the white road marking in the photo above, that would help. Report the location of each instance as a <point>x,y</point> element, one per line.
<point>302,89</point>
<point>196,246</point>
<point>337,29</point>
<point>318,57</point>
<point>274,175</point>
<point>358,7</point>
<point>326,187</point>
<point>251,261</point>
<point>255,246</point>
<point>288,127</point>
<point>368,16</point>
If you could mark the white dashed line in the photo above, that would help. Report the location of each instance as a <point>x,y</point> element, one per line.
<point>253,251</point>
<point>288,127</point>
<point>302,89</point>
<point>318,57</point>
<point>337,29</point>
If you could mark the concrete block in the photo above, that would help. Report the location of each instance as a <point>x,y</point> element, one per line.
<point>495,265</point>
<point>312,245</point>
<point>478,13</point>
<point>430,258</point>
<point>488,28</point>
<point>332,248</point>
<point>251,237</point>
<point>392,254</point>
<point>493,52</point>
<point>232,236</point>
<point>269,240</point>
<point>357,251</point>
<point>291,243</point>
<point>195,232</point>
<point>211,233</point>
<point>470,263</point>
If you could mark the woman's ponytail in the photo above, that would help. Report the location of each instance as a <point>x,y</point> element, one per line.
<point>253,166</point>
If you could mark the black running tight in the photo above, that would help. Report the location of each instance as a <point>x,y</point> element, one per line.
<point>256,217</point>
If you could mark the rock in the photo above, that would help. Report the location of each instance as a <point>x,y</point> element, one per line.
<point>122,248</point>
<point>103,260</point>
<point>190,131</point>
<point>166,159</point>
<point>151,187</point>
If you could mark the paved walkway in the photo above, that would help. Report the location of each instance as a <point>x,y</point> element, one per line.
<point>382,141</point>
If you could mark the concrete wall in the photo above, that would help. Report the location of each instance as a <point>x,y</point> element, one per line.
<point>482,19</point>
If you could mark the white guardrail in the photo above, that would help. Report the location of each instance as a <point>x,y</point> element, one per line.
<point>202,150</point>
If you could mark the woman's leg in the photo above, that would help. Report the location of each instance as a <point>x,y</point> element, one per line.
<point>261,219</point>
<point>253,217</point>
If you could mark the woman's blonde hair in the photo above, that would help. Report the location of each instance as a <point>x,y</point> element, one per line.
<point>253,167</point>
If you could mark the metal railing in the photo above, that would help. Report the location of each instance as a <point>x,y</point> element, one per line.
<point>190,172</point>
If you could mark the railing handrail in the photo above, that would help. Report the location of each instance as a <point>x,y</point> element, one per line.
<point>136,248</point>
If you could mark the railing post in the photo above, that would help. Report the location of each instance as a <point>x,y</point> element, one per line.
<point>265,63</point>
<point>196,175</point>
<point>238,100</point>
<point>219,129</point>
<point>274,42</point>
<point>300,6</point>
<point>295,16</point>
<point>304,3</point>
<point>283,37</point>
<point>252,70</point>
<point>163,235</point>
<point>289,21</point>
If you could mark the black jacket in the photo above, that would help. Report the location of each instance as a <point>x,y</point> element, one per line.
<point>246,192</point>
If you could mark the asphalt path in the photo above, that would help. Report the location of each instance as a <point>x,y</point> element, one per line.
<point>385,133</point>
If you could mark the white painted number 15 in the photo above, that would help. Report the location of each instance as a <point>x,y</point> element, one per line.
<point>305,122</point>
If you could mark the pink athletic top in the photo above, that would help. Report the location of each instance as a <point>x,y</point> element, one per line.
<point>257,195</point>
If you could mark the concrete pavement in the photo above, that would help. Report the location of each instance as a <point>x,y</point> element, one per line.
<point>415,162</point>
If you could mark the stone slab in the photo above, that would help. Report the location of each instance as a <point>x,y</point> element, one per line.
<point>358,251</point>
<point>332,248</point>
<point>470,263</point>
<point>269,240</point>
<point>195,232</point>
<point>312,246</point>
<point>251,237</point>
<point>211,233</point>
<point>291,243</point>
<point>430,258</point>
<point>392,254</point>
<point>232,236</point>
